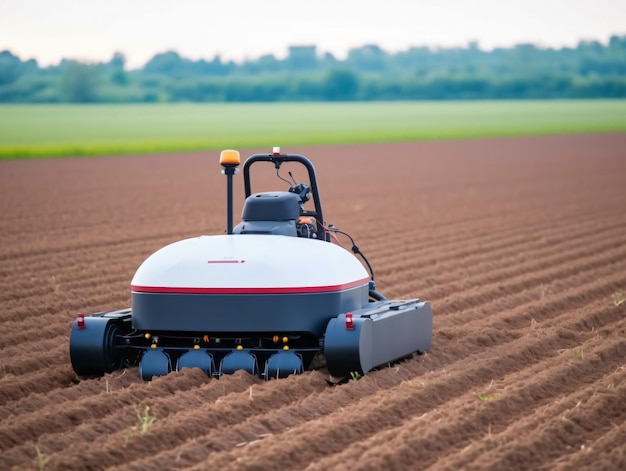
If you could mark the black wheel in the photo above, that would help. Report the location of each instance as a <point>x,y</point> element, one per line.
<point>196,359</point>
<point>239,360</point>
<point>283,364</point>
<point>110,354</point>
<point>154,362</point>
<point>93,349</point>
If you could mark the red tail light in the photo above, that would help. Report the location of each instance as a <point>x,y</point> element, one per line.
<point>349,322</point>
<point>80,321</point>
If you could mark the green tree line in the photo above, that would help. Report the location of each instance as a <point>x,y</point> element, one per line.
<point>589,70</point>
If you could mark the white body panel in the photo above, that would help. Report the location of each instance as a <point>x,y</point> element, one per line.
<point>250,261</point>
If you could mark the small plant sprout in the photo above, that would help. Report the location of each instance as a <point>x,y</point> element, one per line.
<point>145,420</point>
<point>485,397</point>
<point>579,353</point>
<point>42,459</point>
<point>56,287</point>
<point>355,375</point>
<point>618,299</point>
<point>415,382</point>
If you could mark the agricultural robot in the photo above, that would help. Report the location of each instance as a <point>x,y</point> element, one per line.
<point>271,295</point>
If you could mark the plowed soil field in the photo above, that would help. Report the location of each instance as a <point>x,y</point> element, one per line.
<point>519,245</point>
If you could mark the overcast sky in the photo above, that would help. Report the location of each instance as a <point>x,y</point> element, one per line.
<point>91,30</point>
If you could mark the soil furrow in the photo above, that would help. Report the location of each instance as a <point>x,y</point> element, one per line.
<point>92,419</point>
<point>612,257</point>
<point>333,432</point>
<point>181,419</point>
<point>547,422</point>
<point>566,431</point>
<point>392,378</point>
<point>605,453</point>
<point>426,438</point>
<point>475,249</point>
<point>442,281</point>
<point>449,242</point>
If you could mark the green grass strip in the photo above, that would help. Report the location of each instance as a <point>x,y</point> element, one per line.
<point>35,131</point>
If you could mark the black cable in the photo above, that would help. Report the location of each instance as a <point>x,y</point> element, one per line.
<point>355,249</point>
<point>283,179</point>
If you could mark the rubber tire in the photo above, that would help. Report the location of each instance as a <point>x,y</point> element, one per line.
<point>196,359</point>
<point>239,360</point>
<point>92,348</point>
<point>283,364</point>
<point>154,362</point>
